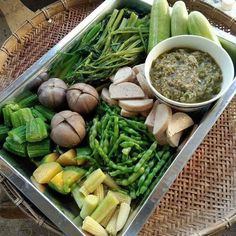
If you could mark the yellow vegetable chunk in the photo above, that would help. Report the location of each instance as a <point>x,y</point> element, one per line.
<point>92,182</point>
<point>68,158</point>
<point>93,227</point>
<point>52,157</point>
<point>46,171</point>
<point>104,208</point>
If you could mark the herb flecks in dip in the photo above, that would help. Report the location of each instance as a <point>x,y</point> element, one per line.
<point>186,75</point>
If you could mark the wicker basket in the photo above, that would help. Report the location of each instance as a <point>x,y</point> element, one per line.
<point>202,199</point>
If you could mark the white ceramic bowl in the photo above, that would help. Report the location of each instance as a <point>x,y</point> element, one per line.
<point>193,42</point>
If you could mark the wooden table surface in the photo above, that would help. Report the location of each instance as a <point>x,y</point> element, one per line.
<point>12,221</point>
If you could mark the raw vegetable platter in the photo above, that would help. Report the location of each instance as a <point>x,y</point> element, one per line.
<point>142,206</point>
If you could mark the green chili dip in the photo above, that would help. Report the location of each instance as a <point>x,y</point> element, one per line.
<point>186,75</point>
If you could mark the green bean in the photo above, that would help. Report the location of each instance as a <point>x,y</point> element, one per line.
<point>147,156</point>
<point>132,178</point>
<point>130,144</point>
<point>116,129</point>
<point>109,162</point>
<point>119,172</point>
<point>146,172</point>
<point>93,132</point>
<point>152,174</point>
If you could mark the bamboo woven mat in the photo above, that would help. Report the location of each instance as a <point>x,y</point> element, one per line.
<point>204,192</point>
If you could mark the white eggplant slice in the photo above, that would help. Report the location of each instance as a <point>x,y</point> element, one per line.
<point>106,97</point>
<point>124,74</point>
<point>139,68</point>
<point>144,85</point>
<point>173,141</point>
<point>162,118</point>
<point>128,114</point>
<point>136,105</point>
<point>149,122</point>
<point>126,90</point>
<point>179,122</point>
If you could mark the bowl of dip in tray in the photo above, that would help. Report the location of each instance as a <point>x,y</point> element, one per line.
<point>188,72</point>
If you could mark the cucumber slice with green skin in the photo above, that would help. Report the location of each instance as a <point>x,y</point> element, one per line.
<point>199,25</point>
<point>179,19</point>
<point>230,48</point>
<point>159,23</point>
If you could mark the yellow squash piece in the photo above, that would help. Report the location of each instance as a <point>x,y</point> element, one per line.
<point>46,171</point>
<point>63,181</point>
<point>52,157</point>
<point>68,158</point>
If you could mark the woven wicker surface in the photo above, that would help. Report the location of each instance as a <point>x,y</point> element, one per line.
<point>204,192</point>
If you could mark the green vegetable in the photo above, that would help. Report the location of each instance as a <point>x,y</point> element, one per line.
<point>39,149</point>
<point>107,204</point>
<point>230,48</point>
<point>199,25</point>
<point>92,182</point>
<point>13,147</point>
<point>132,178</point>
<point>3,132</point>
<point>63,181</point>
<point>78,196</point>
<point>52,157</point>
<point>29,101</point>
<point>7,111</point>
<point>37,114</point>
<point>36,130</point>
<point>179,19</point>
<point>90,203</point>
<point>146,156</point>
<point>118,40</point>
<point>154,171</point>
<point>159,23</point>
<point>21,117</point>
<point>123,147</point>
<point>46,171</point>
<point>18,134</point>
<point>45,112</point>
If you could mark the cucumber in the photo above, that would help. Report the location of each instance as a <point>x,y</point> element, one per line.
<point>159,23</point>
<point>179,19</point>
<point>199,25</point>
<point>230,48</point>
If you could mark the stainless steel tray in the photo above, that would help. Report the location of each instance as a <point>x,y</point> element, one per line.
<point>58,209</point>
